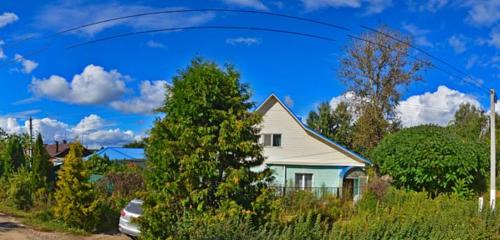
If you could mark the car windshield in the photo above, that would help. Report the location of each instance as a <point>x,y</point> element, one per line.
<point>134,207</point>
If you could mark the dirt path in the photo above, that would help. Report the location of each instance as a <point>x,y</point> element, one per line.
<point>12,229</point>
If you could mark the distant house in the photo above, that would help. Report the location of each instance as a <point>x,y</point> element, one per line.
<point>122,155</point>
<point>58,151</point>
<point>301,158</point>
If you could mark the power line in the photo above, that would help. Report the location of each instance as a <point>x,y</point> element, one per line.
<point>421,61</point>
<point>183,11</point>
<point>200,27</point>
<point>416,48</point>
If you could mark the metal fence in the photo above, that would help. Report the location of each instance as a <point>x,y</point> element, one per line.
<point>318,191</point>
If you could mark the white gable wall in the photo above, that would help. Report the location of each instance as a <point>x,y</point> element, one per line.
<point>298,147</point>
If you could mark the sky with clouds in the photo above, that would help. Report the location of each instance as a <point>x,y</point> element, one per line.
<point>105,93</point>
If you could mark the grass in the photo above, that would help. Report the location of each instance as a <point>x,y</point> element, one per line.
<point>40,220</point>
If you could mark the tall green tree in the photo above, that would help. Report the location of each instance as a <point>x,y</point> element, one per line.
<point>322,120</point>
<point>75,201</point>
<point>201,153</point>
<point>335,124</point>
<point>376,71</point>
<point>470,122</point>
<point>13,154</point>
<point>40,164</point>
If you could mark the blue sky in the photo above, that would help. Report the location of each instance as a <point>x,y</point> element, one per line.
<point>103,93</point>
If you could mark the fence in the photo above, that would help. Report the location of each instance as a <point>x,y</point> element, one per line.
<point>318,191</point>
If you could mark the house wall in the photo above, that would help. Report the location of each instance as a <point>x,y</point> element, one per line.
<point>322,176</point>
<point>297,145</point>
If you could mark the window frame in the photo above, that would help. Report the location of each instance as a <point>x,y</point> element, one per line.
<point>271,136</point>
<point>303,180</point>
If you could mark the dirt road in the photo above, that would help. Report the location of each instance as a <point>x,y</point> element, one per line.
<point>12,229</point>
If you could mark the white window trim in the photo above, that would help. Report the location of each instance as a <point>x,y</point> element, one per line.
<point>272,139</point>
<point>303,175</point>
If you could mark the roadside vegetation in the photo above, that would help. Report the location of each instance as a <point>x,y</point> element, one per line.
<point>198,181</point>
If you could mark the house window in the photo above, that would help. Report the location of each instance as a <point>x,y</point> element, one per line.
<point>273,140</point>
<point>303,180</point>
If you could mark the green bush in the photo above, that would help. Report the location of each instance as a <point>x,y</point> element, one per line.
<point>294,205</point>
<point>412,215</point>
<point>76,203</point>
<point>433,159</point>
<point>20,190</point>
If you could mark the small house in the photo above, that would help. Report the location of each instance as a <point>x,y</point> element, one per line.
<point>301,158</point>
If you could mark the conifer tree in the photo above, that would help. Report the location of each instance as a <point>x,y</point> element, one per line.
<point>40,165</point>
<point>13,154</point>
<point>75,200</point>
<point>200,154</point>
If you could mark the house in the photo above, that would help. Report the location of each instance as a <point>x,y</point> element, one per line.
<point>122,155</point>
<point>58,151</point>
<point>301,158</point>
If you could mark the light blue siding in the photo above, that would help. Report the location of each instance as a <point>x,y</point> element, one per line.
<point>322,176</point>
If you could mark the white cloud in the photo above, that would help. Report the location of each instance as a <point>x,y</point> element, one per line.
<point>494,40</point>
<point>437,107</point>
<point>93,86</point>
<point>10,125</point>
<point>91,130</point>
<point>89,123</point>
<point>243,40</point>
<point>348,97</point>
<point>152,96</point>
<point>311,5</point>
<point>155,44</point>
<point>28,65</point>
<point>372,6</point>
<point>483,12</point>
<point>68,14</point>
<point>419,34</point>
<point>433,5</point>
<point>377,6</point>
<point>7,18</point>
<point>289,101</point>
<point>2,54</point>
<point>51,129</point>
<point>458,43</point>
<point>255,4</point>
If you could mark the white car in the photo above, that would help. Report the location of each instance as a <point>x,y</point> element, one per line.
<point>132,211</point>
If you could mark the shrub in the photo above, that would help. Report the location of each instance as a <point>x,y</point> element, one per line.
<point>294,205</point>
<point>412,215</point>
<point>20,191</point>
<point>75,201</point>
<point>433,159</point>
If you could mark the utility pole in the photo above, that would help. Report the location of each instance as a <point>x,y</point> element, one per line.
<point>493,190</point>
<point>31,137</point>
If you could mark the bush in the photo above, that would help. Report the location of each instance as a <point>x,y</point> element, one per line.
<point>76,203</point>
<point>432,159</point>
<point>412,215</point>
<point>20,191</point>
<point>294,205</point>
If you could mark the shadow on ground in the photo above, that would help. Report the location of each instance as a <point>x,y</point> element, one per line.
<point>6,226</point>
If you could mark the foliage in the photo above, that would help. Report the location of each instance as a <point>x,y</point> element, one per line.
<point>290,207</point>
<point>369,129</point>
<point>200,153</point>
<point>40,164</point>
<point>97,164</point>
<point>412,215</point>
<point>334,124</point>
<point>13,154</point>
<point>468,122</point>
<point>137,144</point>
<point>20,191</point>
<point>375,71</point>
<point>75,200</point>
<point>434,159</point>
